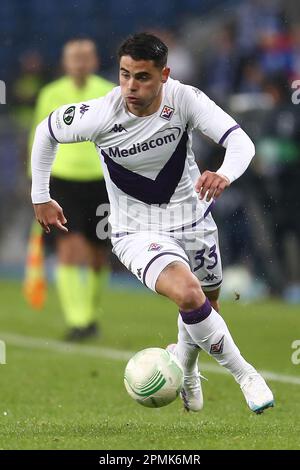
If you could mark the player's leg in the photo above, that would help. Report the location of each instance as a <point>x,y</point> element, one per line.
<point>185,349</point>
<point>72,254</point>
<point>187,353</point>
<point>146,255</point>
<point>72,251</point>
<point>213,297</point>
<point>82,276</point>
<point>162,265</point>
<point>208,330</point>
<point>97,278</point>
<point>96,209</point>
<point>82,271</point>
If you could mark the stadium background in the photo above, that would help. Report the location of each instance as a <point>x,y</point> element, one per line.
<point>245,55</point>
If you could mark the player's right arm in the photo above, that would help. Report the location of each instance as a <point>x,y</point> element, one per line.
<point>203,114</point>
<point>67,124</point>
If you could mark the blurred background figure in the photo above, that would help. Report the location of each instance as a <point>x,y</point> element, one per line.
<point>278,162</point>
<point>220,65</point>
<point>25,88</point>
<point>180,59</point>
<point>77,184</point>
<point>295,51</point>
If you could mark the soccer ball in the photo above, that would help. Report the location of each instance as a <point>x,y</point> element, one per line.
<point>153,377</point>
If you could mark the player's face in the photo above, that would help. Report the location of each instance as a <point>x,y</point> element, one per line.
<point>80,59</point>
<point>141,85</point>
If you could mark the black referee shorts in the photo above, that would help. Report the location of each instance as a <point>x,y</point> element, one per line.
<point>80,200</point>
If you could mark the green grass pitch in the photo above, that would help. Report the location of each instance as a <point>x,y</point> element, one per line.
<point>53,397</point>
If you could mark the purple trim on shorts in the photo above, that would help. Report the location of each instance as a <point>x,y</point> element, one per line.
<point>212,285</point>
<point>158,256</point>
<point>50,128</point>
<point>221,141</point>
<point>198,315</point>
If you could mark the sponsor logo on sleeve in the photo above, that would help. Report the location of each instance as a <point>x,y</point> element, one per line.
<point>69,115</point>
<point>167,113</point>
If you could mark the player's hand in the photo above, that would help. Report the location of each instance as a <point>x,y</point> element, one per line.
<point>50,213</point>
<point>211,184</point>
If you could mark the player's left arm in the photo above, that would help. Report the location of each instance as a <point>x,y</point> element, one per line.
<point>212,121</point>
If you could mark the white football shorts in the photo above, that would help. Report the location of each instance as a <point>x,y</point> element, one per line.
<point>146,254</point>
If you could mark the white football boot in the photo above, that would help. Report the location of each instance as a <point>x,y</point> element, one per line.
<point>257,393</point>
<point>191,393</point>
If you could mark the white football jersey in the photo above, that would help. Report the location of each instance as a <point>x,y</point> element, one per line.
<point>149,166</point>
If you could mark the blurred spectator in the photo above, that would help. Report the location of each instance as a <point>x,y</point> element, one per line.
<point>274,51</point>
<point>22,96</point>
<point>291,12</point>
<point>253,17</point>
<point>26,87</point>
<point>278,161</point>
<point>251,77</point>
<point>220,66</point>
<point>180,59</point>
<point>295,52</point>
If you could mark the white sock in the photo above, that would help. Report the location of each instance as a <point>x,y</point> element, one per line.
<point>208,329</point>
<point>186,349</point>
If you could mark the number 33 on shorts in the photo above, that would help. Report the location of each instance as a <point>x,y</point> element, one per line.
<point>206,265</point>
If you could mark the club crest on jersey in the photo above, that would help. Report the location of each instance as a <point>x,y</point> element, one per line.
<point>83,109</point>
<point>69,115</point>
<point>154,247</point>
<point>217,348</point>
<point>167,113</point>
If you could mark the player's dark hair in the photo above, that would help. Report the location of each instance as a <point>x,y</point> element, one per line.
<point>145,46</point>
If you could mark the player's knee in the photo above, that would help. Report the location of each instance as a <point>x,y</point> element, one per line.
<point>178,284</point>
<point>190,296</point>
<point>71,249</point>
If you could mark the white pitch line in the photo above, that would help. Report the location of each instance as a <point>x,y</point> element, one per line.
<point>29,342</point>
